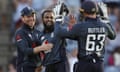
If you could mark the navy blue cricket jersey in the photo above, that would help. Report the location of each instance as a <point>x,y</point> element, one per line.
<point>90,35</point>
<point>58,52</point>
<point>26,39</point>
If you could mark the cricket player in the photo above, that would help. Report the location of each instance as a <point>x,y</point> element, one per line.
<point>29,42</point>
<point>90,34</point>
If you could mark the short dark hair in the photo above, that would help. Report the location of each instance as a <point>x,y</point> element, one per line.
<point>45,11</point>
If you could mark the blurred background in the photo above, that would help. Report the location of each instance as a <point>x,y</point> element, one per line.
<point>10,21</point>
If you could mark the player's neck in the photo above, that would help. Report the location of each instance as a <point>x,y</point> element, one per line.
<point>91,16</point>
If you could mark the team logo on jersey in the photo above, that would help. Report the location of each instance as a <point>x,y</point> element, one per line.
<point>18,38</point>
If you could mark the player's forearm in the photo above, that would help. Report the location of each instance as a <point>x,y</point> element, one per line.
<point>63,33</point>
<point>42,48</point>
<point>111,31</point>
<point>37,50</point>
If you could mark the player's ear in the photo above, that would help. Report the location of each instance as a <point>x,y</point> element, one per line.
<point>22,18</point>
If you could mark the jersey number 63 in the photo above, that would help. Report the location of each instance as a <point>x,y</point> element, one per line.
<point>95,42</point>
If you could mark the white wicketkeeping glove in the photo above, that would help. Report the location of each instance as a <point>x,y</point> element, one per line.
<point>103,8</point>
<point>60,10</point>
<point>104,11</point>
